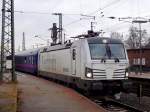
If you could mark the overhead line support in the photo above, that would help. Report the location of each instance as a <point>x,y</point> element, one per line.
<point>60,26</point>
<point>7,39</point>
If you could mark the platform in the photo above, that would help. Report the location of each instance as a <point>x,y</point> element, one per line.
<point>143,78</point>
<point>138,75</point>
<point>8,97</point>
<point>40,95</point>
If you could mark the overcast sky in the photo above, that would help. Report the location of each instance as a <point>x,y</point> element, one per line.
<point>37,17</point>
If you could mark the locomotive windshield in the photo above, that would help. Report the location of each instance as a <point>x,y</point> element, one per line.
<point>107,51</point>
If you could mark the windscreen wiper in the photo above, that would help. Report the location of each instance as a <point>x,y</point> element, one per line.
<point>103,59</point>
<point>116,60</point>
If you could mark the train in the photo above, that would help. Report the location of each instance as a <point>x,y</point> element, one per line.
<point>92,63</point>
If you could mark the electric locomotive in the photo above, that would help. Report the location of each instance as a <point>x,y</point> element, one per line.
<point>90,63</point>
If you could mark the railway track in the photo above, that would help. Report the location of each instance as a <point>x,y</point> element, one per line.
<point>112,105</point>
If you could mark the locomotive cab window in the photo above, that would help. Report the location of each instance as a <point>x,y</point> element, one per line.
<point>107,51</point>
<point>74,54</point>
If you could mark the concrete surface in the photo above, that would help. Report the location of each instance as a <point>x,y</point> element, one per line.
<point>8,97</point>
<point>40,95</point>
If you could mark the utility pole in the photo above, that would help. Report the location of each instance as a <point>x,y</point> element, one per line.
<point>140,88</point>
<point>60,26</point>
<point>7,38</point>
<point>23,42</point>
<point>140,40</point>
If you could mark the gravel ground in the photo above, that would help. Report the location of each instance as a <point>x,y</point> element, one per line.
<point>133,100</point>
<point>8,97</point>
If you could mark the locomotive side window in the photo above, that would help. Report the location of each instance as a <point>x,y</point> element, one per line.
<point>74,54</point>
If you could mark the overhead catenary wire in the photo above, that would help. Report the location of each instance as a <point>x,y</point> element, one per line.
<point>46,13</point>
<point>106,6</point>
<point>35,12</point>
<point>120,4</point>
<point>31,12</point>
<point>116,26</point>
<point>120,20</point>
<point>73,22</point>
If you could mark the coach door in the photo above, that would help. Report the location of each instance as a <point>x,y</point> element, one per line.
<point>73,61</point>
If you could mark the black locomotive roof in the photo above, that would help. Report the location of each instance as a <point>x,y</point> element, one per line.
<point>100,40</point>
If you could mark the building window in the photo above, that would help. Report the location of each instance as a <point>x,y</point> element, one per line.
<point>143,61</point>
<point>138,61</point>
<point>134,61</point>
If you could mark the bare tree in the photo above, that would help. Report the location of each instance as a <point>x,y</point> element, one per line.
<point>116,35</point>
<point>133,40</point>
<point>148,43</point>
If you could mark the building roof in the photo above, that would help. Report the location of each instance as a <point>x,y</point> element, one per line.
<point>138,49</point>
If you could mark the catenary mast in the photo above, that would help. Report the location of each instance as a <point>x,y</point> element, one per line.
<point>7,38</point>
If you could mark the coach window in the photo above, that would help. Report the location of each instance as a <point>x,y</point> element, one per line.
<point>74,54</point>
<point>32,59</point>
<point>25,60</point>
<point>29,60</point>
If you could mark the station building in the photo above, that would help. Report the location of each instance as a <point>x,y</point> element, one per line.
<point>134,58</point>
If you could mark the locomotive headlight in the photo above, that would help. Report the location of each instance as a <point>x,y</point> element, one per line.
<point>127,74</point>
<point>89,73</point>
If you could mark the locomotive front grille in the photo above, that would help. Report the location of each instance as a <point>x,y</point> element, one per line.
<point>97,73</point>
<point>119,73</point>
